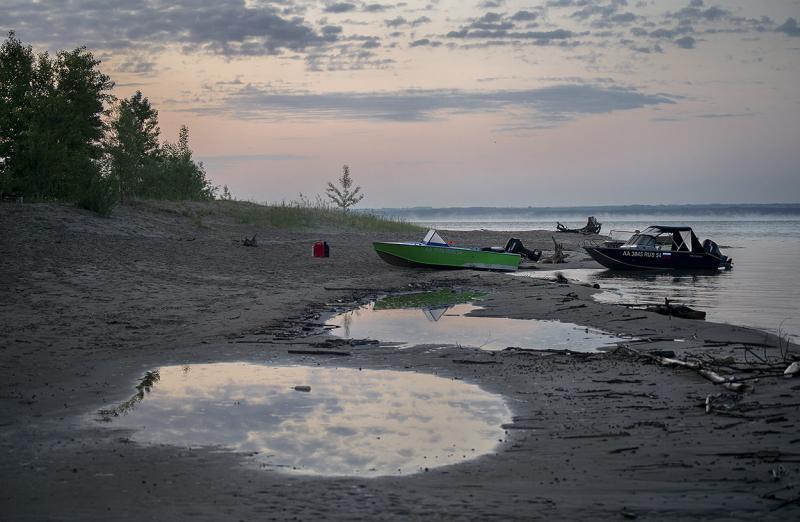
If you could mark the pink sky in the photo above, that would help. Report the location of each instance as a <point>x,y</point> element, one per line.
<point>449,103</point>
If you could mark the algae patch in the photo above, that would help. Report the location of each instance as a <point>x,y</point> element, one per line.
<point>435,299</point>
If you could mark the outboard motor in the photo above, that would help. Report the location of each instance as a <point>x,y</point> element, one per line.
<point>515,246</point>
<point>712,248</point>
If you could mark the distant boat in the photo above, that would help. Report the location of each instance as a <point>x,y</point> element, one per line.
<point>435,252</point>
<point>659,248</point>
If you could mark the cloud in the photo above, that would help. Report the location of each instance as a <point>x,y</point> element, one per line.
<point>225,28</point>
<point>498,26</point>
<point>789,27</point>
<point>687,42</point>
<point>396,22</point>
<point>375,8</point>
<point>491,4</point>
<point>137,65</point>
<point>524,16</point>
<point>340,7</point>
<point>424,42</point>
<point>399,21</point>
<point>695,12</point>
<point>554,104</point>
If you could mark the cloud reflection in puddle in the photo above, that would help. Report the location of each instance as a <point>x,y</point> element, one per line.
<point>453,325</point>
<point>352,422</point>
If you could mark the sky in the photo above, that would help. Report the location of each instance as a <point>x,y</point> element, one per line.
<point>460,103</point>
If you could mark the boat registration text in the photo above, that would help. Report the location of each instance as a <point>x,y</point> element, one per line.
<point>640,253</point>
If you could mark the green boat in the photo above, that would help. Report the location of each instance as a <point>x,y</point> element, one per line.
<point>435,252</point>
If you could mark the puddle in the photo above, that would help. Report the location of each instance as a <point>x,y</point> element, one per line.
<point>451,325</point>
<point>316,421</point>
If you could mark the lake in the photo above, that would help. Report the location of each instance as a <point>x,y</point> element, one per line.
<point>762,290</point>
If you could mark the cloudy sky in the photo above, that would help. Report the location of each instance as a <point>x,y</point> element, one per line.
<point>461,102</point>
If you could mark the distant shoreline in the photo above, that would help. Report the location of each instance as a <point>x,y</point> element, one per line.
<point>720,209</point>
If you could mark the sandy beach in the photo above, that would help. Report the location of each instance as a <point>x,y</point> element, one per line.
<point>89,304</point>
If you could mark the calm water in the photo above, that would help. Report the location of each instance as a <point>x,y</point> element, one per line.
<point>762,291</point>
<point>316,421</point>
<point>452,325</point>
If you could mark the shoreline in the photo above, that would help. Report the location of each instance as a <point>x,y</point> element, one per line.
<point>91,304</point>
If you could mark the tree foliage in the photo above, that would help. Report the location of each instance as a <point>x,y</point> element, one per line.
<point>51,121</point>
<point>133,148</point>
<point>55,142</point>
<point>344,196</point>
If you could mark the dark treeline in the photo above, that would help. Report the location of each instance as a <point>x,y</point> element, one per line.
<point>63,136</point>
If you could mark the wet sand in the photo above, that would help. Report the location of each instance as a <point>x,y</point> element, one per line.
<point>88,305</point>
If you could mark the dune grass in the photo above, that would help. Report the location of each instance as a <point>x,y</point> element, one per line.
<point>293,215</point>
<point>296,215</point>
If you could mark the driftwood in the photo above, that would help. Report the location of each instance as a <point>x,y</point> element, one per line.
<point>728,383</point>
<point>592,227</point>
<point>319,352</point>
<point>676,310</point>
<point>558,255</point>
<point>249,241</point>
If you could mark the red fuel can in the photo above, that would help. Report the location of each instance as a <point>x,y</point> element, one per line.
<point>320,249</point>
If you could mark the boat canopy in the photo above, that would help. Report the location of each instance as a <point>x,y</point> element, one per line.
<point>433,238</point>
<point>665,238</point>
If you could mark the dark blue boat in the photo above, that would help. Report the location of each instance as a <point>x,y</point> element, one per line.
<point>660,248</point>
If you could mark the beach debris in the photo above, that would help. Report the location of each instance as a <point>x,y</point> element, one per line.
<point>663,353</point>
<point>676,310</point>
<point>302,388</point>
<point>249,241</point>
<point>592,227</point>
<point>558,254</point>
<point>320,249</point>
<point>728,383</point>
<point>792,370</point>
<point>319,352</point>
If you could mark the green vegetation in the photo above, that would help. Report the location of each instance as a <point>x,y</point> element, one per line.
<point>302,214</point>
<point>427,299</point>
<point>64,137</point>
<point>344,196</point>
<point>292,216</point>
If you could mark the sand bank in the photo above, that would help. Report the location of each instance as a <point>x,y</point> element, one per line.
<point>89,304</point>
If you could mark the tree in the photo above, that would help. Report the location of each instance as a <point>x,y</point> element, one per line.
<point>16,78</point>
<point>79,128</point>
<point>51,121</point>
<point>180,177</point>
<point>344,196</point>
<point>133,147</point>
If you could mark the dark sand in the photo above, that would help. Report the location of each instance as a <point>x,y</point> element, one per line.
<point>87,305</point>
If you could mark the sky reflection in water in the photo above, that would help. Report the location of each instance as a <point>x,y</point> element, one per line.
<point>412,326</point>
<point>352,422</point>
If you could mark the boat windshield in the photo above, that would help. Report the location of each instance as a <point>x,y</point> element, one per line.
<point>640,241</point>
<point>433,238</point>
<point>655,238</point>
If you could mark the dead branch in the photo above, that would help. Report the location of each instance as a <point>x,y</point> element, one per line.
<point>558,255</point>
<point>725,382</point>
